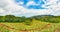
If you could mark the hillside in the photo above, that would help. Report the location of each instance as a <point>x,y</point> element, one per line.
<point>39,23</point>
<point>45,18</point>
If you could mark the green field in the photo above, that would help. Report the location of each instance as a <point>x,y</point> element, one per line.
<point>35,26</point>
<point>40,23</point>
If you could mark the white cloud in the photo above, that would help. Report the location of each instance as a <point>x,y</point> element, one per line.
<point>31,3</point>
<point>1,10</point>
<point>20,3</point>
<point>9,7</point>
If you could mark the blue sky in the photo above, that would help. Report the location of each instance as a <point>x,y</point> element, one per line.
<point>40,2</point>
<point>30,7</point>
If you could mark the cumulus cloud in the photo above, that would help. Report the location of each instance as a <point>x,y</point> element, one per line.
<point>10,7</point>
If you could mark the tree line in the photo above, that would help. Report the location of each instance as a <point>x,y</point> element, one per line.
<point>45,18</point>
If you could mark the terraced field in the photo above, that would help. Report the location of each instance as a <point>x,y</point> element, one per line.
<point>35,26</point>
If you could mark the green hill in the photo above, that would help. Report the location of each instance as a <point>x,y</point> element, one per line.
<point>47,18</point>
<point>44,18</point>
<point>39,23</point>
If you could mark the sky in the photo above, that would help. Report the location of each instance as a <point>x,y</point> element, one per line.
<point>29,7</point>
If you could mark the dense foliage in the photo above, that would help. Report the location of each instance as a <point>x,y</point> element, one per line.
<point>45,18</point>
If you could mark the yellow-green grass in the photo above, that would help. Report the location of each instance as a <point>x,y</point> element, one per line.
<point>2,29</point>
<point>34,24</point>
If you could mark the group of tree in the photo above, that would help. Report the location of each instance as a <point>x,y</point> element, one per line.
<point>45,18</point>
<point>15,19</point>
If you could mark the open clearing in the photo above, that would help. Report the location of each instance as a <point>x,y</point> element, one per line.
<point>35,26</point>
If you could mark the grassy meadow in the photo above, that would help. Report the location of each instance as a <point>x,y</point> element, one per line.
<point>35,25</point>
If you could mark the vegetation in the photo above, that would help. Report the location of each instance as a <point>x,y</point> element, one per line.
<point>2,29</point>
<point>40,23</point>
<point>48,18</point>
<point>35,26</point>
<point>45,18</point>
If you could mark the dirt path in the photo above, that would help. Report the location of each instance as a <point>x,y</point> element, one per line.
<point>57,30</point>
